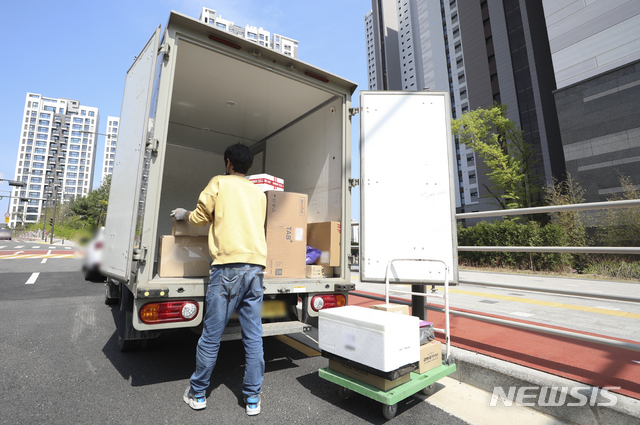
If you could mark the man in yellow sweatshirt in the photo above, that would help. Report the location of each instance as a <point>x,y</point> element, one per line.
<point>236,208</point>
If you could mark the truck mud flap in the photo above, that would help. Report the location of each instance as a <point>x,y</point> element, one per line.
<point>268,329</point>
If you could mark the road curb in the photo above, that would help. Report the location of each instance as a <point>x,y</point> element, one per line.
<point>486,373</point>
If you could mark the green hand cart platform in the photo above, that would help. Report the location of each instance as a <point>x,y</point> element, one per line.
<point>424,382</point>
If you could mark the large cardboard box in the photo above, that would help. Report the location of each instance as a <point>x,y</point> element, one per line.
<point>325,236</point>
<point>183,256</point>
<point>430,356</point>
<point>374,338</point>
<point>286,231</point>
<point>267,182</point>
<point>319,271</point>
<point>184,228</point>
<point>368,378</point>
<point>393,308</point>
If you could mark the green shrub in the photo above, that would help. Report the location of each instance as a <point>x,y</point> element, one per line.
<point>511,233</point>
<point>614,267</point>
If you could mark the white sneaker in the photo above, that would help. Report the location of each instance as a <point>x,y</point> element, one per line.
<point>253,405</point>
<point>195,402</point>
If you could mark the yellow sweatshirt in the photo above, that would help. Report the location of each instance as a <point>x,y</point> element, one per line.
<point>236,208</point>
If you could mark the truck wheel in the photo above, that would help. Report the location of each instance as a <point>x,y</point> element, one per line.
<point>112,296</point>
<point>125,320</point>
<point>389,410</point>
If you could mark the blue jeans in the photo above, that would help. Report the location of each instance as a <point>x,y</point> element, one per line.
<point>232,287</point>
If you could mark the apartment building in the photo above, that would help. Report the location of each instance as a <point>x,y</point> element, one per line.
<point>56,154</point>
<point>481,52</point>
<point>110,144</point>
<point>278,42</point>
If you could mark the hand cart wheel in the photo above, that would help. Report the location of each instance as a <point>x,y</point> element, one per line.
<point>429,390</point>
<point>344,393</point>
<point>389,410</point>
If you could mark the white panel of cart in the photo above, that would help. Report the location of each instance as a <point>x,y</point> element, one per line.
<point>407,198</point>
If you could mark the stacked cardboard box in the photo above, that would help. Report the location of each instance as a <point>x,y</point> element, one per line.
<point>325,236</point>
<point>319,271</point>
<point>286,231</point>
<point>393,308</point>
<point>367,377</point>
<point>185,253</point>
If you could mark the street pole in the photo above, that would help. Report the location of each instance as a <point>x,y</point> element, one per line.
<point>44,220</point>
<point>55,206</point>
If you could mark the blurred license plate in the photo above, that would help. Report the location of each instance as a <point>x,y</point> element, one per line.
<point>274,309</point>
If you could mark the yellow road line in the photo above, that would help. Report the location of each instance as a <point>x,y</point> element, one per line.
<point>548,304</point>
<point>544,303</point>
<point>298,346</point>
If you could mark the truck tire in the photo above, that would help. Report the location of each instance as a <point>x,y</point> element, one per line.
<point>112,293</point>
<point>124,323</point>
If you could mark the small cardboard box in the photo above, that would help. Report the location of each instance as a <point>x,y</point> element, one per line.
<point>325,236</point>
<point>430,356</point>
<point>367,378</point>
<point>286,232</point>
<point>184,228</point>
<point>267,182</point>
<point>183,256</point>
<point>392,308</point>
<point>319,271</point>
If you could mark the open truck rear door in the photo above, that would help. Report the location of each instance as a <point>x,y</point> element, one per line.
<point>407,198</point>
<point>127,184</point>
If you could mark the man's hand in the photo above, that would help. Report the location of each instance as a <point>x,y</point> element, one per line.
<point>180,214</point>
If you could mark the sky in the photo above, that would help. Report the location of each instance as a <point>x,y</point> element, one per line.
<point>82,50</point>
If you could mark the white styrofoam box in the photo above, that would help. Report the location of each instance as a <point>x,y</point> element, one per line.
<point>267,182</point>
<point>375,338</point>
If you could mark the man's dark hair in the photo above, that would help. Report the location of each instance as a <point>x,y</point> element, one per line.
<point>240,156</point>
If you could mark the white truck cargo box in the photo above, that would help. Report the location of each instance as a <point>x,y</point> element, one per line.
<point>378,339</point>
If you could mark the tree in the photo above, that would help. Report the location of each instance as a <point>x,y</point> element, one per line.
<point>569,192</point>
<point>92,209</point>
<point>501,145</point>
<point>620,226</point>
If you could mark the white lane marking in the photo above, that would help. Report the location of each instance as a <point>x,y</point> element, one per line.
<point>43,261</point>
<point>607,308</point>
<point>21,246</point>
<point>52,247</point>
<point>66,247</point>
<point>34,247</point>
<point>3,246</point>
<point>517,313</point>
<point>49,252</point>
<point>33,278</point>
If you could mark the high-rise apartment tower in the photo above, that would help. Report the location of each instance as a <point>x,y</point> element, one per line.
<point>56,154</point>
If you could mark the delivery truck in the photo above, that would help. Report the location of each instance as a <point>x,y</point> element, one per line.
<point>194,90</point>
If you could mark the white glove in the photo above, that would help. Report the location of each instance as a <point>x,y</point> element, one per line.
<point>180,214</point>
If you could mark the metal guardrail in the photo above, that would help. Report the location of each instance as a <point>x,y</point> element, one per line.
<point>589,250</point>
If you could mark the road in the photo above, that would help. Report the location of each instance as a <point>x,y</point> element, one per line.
<point>61,365</point>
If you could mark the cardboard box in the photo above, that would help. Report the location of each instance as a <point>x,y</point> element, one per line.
<point>183,256</point>
<point>325,236</point>
<point>286,231</point>
<point>319,271</point>
<point>430,356</point>
<point>267,182</point>
<point>367,378</point>
<point>184,228</point>
<point>392,308</point>
<point>377,339</point>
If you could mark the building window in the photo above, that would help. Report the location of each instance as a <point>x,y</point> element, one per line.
<point>83,112</point>
<point>221,26</point>
<point>252,35</point>
<point>92,113</point>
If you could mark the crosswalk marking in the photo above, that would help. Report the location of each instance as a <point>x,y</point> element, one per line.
<point>33,278</point>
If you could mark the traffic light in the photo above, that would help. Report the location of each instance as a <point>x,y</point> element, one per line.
<point>51,221</point>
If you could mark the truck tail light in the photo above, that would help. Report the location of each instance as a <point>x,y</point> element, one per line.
<point>167,312</point>
<point>321,302</point>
